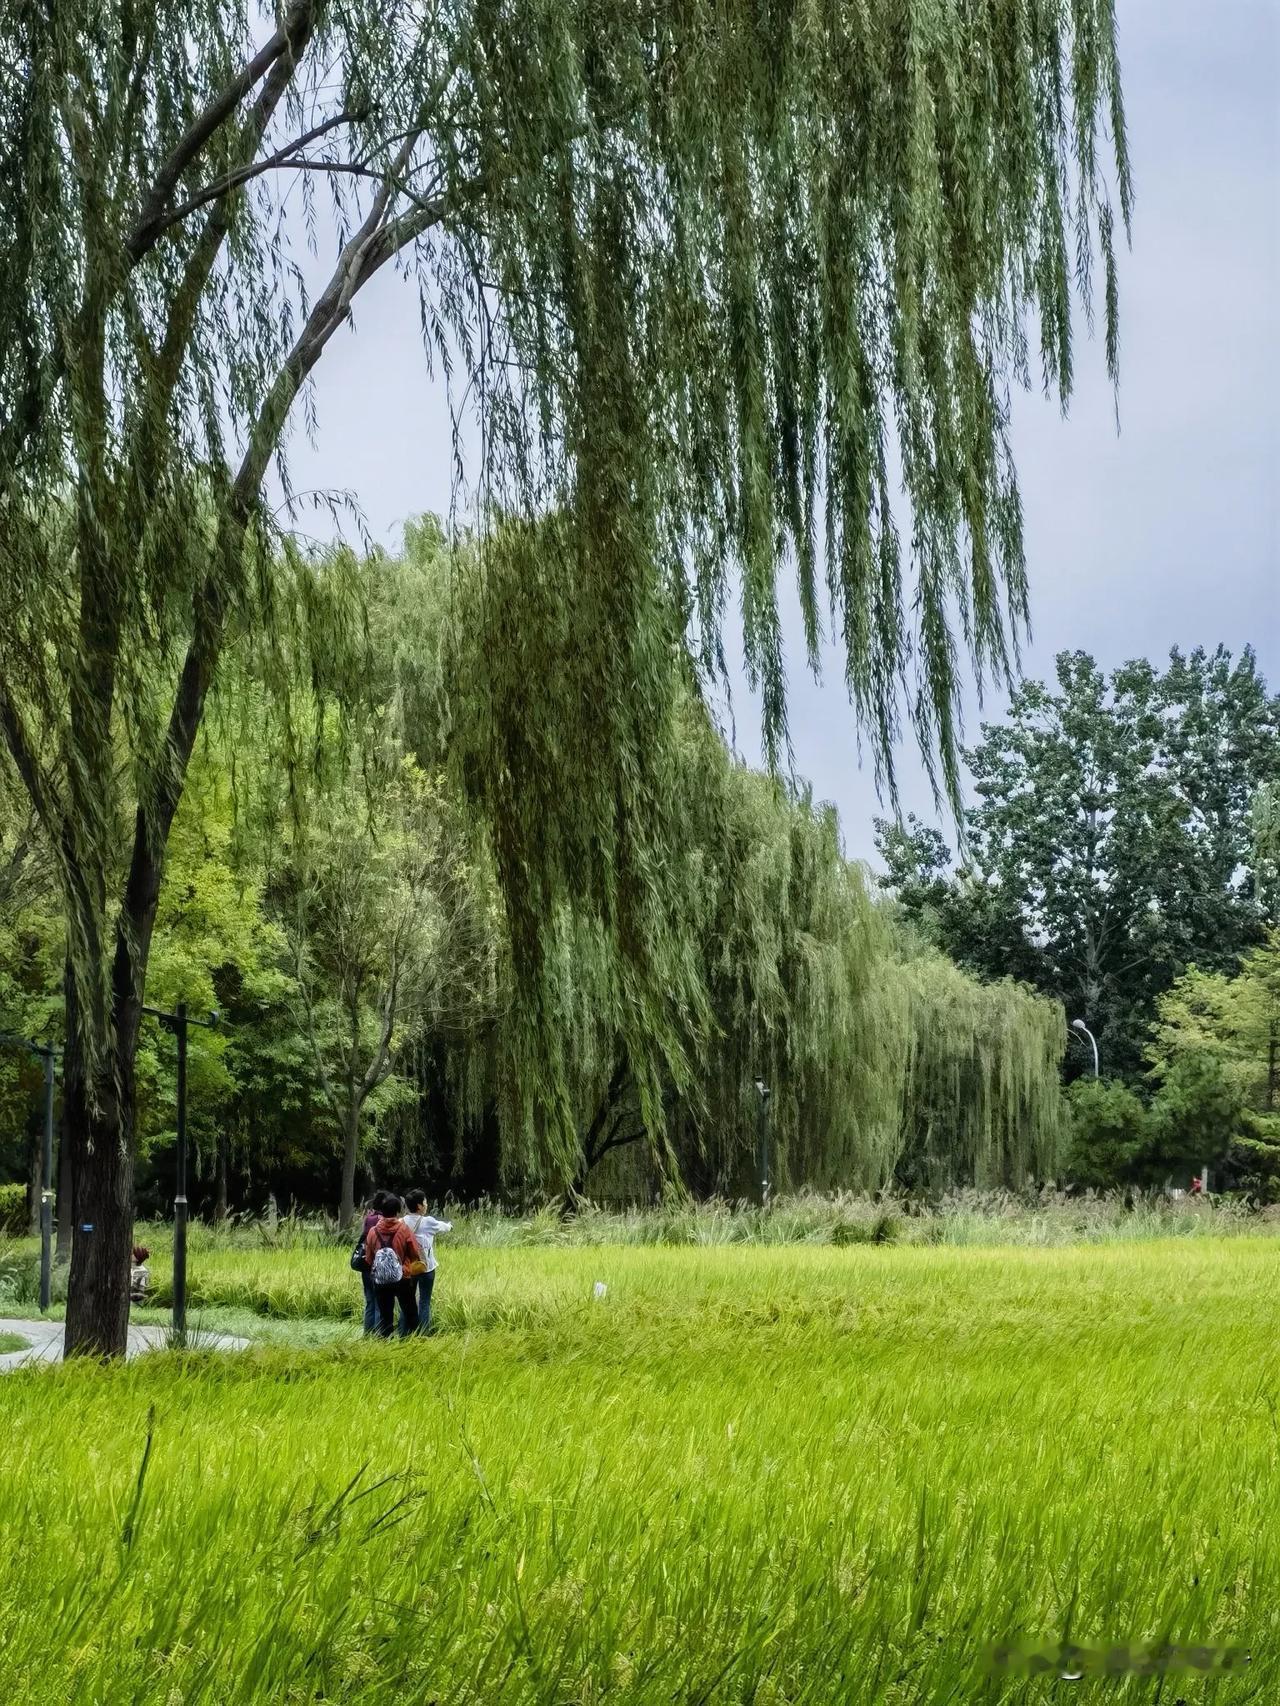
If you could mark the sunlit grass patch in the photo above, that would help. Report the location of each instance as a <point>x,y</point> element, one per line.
<point>775,1474</point>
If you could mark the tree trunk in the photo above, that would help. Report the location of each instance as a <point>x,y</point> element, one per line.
<point>350,1151</point>
<point>66,1195</point>
<point>600,1135</point>
<point>99,1134</point>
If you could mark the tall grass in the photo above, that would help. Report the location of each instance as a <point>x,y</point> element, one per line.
<point>748,1475</point>
<point>293,1268</point>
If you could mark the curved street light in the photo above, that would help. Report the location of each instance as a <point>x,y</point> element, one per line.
<point>1079,1025</point>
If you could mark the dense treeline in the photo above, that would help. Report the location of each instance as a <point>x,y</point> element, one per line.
<point>334,889</point>
<point>1120,856</point>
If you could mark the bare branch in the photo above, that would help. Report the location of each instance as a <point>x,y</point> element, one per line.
<point>283,157</point>
<point>371,246</point>
<point>326,1083</point>
<point>286,40</point>
<point>186,300</point>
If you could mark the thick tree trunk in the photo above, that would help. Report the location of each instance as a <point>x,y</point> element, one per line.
<point>350,1152</point>
<point>99,1132</point>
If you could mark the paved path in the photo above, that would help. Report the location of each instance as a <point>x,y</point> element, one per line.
<point>44,1341</point>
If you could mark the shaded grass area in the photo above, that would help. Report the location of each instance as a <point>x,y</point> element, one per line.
<point>12,1342</point>
<point>301,1332</point>
<point>752,1476</point>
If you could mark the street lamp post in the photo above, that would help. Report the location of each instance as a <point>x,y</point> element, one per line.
<point>762,1141</point>
<point>178,1022</point>
<point>46,1186</point>
<point>47,1054</point>
<point>1079,1025</point>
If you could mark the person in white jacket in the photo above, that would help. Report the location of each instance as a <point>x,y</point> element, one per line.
<point>424,1228</point>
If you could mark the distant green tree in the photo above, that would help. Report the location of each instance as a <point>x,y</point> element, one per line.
<point>1109,1134</point>
<point>1112,841</point>
<point>978,923</point>
<point>1193,1120</point>
<point>31,954</point>
<point>1227,1029</point>
<point>391,935</point>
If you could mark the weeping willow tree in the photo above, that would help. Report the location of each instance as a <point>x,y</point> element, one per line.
<point>711,275</point>
<point>886,1063</point>
<point>796,952</point>
<point>981,1085</point>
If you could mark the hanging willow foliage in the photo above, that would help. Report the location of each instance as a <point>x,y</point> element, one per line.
<point>716,276</point>
<point>981,1098</point>
<point>796,955</point>
<point>886,1063</point>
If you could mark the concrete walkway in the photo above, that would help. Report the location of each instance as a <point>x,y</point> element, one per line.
<point>44,1342</point>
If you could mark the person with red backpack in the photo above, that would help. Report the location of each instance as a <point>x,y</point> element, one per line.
<point>393,1260</point>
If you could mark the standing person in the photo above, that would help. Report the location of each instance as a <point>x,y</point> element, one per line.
<point>390,1248</point>
<point>371,1219</point>
<point>424,1228</point>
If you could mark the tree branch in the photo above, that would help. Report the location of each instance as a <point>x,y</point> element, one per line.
<point>326,1082</point>
<point>292,32</point>
<point>605,1115</point>
<point>373,1076</point>
<point>371,246</point>
<point>184,308</point>
<point>618,1140</point>
<point>282,157</point>
<point>210,605</point>
<point>25,762</point>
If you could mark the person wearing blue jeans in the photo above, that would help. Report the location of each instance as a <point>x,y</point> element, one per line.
<point>371,1219</point>
<point>424,1227</point>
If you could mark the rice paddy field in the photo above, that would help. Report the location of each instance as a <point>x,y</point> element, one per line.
<point>749,1472</point>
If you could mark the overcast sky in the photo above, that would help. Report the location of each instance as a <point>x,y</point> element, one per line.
<point>1165,534</point>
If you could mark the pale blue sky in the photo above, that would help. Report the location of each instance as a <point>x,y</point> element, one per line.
<point>1167,534</point>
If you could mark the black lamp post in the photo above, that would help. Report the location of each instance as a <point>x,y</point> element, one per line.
<point>762,1141</point>
<point>178,1022</point>
<point>47,1054</point>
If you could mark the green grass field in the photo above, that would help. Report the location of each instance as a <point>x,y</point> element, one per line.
<point>755,1474</point>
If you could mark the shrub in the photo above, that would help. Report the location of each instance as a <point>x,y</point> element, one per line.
<point>13,1210</point>
<point>1254,1158</point>
<point>1193,1118</point>
<point>1109,1133</point>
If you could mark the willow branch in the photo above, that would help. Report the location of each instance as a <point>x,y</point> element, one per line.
<point>283,157</point>
<point>27,765</point>
<point>285,41</point>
